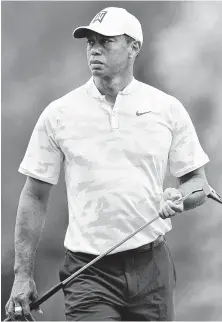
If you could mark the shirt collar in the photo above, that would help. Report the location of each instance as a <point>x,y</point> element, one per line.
<point>93,90</point>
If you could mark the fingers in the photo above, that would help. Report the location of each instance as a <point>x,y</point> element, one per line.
<point>170,208</point>
<point>171,203</point>
<point>34,297</point>
<point>171,194</point>
<point>23,292</point>
<point>29,317</point>
<point>9,309</point>
<point>18,310</point>
<point>39,310</point>
<point>26,311</point>
<point>166,211</point>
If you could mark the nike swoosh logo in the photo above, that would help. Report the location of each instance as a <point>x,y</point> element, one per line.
<point>138,113</point>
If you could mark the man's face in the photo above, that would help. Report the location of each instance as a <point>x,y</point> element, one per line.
<point>107,56</point>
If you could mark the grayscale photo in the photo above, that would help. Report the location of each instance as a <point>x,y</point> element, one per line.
<point>111,161</point>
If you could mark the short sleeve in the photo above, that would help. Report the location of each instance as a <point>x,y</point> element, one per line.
<point>186,153</point>
<point>43,157</point>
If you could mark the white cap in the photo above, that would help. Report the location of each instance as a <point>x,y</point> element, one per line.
<point>113,21</point>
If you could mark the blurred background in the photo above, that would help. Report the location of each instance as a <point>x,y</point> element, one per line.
<point>181,55</point>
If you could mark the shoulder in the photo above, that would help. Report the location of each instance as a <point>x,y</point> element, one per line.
<point>161,100</point>
<point>157,94</point>
<point>56,108</point>
<point>67,99</point>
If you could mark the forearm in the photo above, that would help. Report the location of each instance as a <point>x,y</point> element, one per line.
<point>29,225</point>
<point>196,199</point>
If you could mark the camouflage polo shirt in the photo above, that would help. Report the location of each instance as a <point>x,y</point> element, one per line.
<point>115,161</point>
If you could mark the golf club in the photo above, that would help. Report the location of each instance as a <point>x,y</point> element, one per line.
<point>209,192</point>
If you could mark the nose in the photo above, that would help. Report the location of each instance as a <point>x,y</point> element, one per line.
<point>96,49</point>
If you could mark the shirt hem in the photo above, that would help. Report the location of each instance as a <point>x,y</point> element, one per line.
<point>116,251</point>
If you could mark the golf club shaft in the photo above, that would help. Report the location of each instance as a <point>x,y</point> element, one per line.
<point>57,287</point>
<point>209,192</point>
<point>186,196</point>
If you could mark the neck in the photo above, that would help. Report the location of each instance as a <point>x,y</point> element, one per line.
<point>110,86</point>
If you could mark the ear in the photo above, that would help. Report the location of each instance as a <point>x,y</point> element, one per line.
<point>134,49</point>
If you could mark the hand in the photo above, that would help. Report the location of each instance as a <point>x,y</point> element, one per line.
<point>23,292</point>
<point>170,204</point>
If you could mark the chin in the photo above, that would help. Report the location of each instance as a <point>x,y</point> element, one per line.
<point>97,72</point>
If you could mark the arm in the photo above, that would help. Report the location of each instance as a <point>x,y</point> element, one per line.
<point>29,225</point>
<point>187,183</point>
<point>185,153</point>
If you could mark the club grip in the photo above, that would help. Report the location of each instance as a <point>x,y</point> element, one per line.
<point>34,305</point>
<point>45,296</point>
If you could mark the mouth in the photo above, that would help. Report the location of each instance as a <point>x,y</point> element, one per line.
<point>95,62</point>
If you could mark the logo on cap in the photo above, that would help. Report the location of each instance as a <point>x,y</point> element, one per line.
<point>100,16</point>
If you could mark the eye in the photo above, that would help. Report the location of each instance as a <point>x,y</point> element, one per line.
<point>90,42</point>
<point>106,41</point>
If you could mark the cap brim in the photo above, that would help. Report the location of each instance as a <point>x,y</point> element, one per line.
<point>81,32</point>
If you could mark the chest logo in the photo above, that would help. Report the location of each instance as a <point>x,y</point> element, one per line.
<point>138,113</point>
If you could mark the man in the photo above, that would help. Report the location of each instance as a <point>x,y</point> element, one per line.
<point>115,136</point>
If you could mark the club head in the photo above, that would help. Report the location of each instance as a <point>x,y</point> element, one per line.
<point>211,193</point>
<point>206,189</point>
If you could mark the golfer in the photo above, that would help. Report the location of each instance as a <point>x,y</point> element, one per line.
<point>115,137</point>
